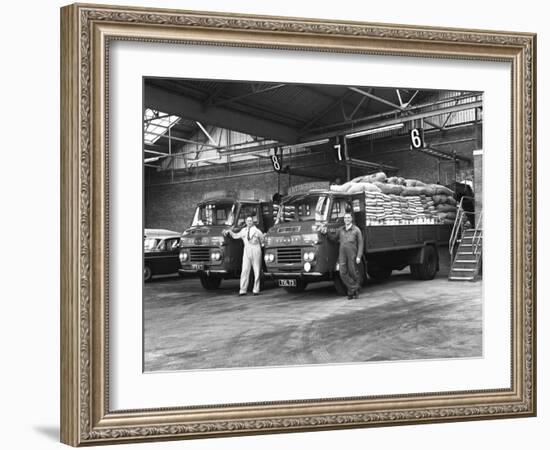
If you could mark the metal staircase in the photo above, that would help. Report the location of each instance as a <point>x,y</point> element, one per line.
<point>465,247</point>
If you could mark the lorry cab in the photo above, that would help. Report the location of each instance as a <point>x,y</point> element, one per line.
<point>205,251</point>
<point>297,253</point>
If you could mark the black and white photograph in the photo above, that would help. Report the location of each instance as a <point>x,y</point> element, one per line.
<point>299,224</point>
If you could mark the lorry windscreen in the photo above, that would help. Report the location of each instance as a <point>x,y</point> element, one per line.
<point>214,214</point>
<point>304,208</point>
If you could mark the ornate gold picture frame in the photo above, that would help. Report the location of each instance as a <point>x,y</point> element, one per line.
<point>87,31</point>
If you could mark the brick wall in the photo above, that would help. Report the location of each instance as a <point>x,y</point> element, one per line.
<point>171,206</point>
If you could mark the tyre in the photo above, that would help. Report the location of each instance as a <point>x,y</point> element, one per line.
<point>427,269</point>
<point>147,273</point>
<point>300,287</point>
<point>210,283</point>
<point>377,272</point>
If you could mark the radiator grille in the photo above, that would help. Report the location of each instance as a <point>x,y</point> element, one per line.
<point>289,255</point>
<point>199,254</point>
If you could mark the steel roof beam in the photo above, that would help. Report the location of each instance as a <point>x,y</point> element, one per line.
<point>386,102</point>
<point>183,106</point>
<point>249,94</point>
<point>403,119</point>
<point>324,112</point>
<point>395,111</point>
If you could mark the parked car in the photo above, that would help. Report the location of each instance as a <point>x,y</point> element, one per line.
<point>160,252</point>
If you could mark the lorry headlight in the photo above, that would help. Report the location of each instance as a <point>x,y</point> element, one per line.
<point>269,257</point>
<point>307,267</point>
<point>215,256</point>
<point>184,256</point>
<point>309,256</point>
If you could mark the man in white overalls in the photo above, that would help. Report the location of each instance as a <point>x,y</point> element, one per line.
<point>252,254</point>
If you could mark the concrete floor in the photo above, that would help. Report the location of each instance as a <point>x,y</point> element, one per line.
<point>186,327</point>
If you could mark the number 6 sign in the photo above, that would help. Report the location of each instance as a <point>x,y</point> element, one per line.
<point>417,138</point>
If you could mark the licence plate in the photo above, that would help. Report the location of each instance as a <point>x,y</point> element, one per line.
<point>287,283</point>
<point>197,266</point>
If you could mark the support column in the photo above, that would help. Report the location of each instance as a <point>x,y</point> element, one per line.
<point>478,180</point>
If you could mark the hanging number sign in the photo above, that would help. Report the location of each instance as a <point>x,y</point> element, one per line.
<point>417,138</point>
<point>276,161</point>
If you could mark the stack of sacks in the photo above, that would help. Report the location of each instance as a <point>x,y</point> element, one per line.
<point>374,207</point>
<point>415,207</point>
<point>428,205</point>
<point>355,187</point>
<point>366,183</point>
<point>398,208</point>
<point>414,183</point>
<point>445,207</point>
<point>388,207</point>
<point>401,200</point>
<point>379,177</point>
<point>397,180</point>
<point>389,189</point>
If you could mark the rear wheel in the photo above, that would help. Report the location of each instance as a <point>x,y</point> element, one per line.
<point>427,269</point>
<point>300,287</point>
<point>210,283</point>
<point>147,273</point>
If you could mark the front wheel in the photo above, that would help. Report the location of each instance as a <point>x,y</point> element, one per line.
<point>427,269</point>
<point>147,273</point>
<point>210,283</point>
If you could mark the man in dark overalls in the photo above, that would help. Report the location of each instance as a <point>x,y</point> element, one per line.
<point>350,239</point>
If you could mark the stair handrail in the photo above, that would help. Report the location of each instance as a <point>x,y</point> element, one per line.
<point>458,224</point>
<point>477,234</point>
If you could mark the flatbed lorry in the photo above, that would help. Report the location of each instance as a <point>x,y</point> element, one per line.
<point>297,253</point>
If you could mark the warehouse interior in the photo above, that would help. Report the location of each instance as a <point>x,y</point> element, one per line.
<point>204,136</point>
<point>200,134</point>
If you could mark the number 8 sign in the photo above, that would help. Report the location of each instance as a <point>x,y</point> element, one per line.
<point>276,161</point>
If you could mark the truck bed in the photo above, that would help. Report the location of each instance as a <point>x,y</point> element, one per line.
<point>393,237</point>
